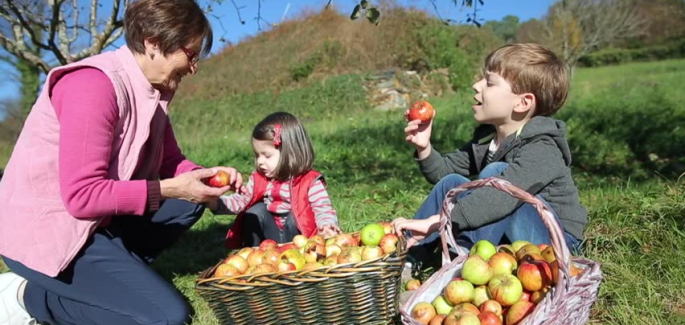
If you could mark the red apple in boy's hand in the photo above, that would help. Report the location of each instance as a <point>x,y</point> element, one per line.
<point>421,110</point>
<point>220,179</point>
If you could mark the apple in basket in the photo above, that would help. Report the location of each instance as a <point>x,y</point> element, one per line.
<point>245,252</point>
<point>491,306</point>
<point>423,312</point>
<point>345,240</point>
<point>413,284</point>
<point>237,262</point>
<point>489,318</point>
<point>333,250</point>
<point>268,243</point>
<point>371,252</point>
<point>548,254</point>
<point>476,270</point>
<point>293,256</point>
<point>264,268</point>
<point>314,251</point>
<point>318,239</point>
<point>286,247</point>
<point>527,249</point>
<point>285,266</point>
<point>437,320</point>
<point>225,270</point>
<point>387,227</point>
<point>372,234</point>
<point>271,256</point>
<point>518,312</point>
<point>458,291</point>
<point>534,275</point>
<point>505,289</point>
<point>461,318</point>
<point>255,258</point>
<point>502,263</point>
<point>442,307</point>
<point>480,295</point>
<point>484,249</point>
<point>389,243</point>
<point>537,296</point>
<point>300,240</point>
<point>516,245</point>
<point>466,307</point>
<point>350,255</point>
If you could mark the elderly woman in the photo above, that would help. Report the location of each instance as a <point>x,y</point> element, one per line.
<point>97,187</point>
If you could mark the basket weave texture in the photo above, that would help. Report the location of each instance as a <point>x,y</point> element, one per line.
<point>569,301</point>
<point>354,293</point>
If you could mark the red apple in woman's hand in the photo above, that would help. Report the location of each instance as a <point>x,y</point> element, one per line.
<point>220,179</point>
<point>421,110</point>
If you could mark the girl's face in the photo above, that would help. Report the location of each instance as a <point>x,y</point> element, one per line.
<point>267,156</point>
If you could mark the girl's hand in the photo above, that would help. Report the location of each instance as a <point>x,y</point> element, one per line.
<point>420,228</point>
<point>328,231</point>
<point>417,133</point>
<point>191,187</point>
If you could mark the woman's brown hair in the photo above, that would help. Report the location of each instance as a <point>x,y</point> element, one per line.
<point>170,24</point>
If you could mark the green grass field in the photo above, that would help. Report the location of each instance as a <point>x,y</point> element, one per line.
<point>625,129</point>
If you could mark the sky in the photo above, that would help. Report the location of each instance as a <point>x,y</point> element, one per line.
<point>226,24</point>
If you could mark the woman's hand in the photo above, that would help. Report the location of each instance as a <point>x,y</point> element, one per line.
<point>420,228</point>
<point>236,184</point>
<point>190,186</point>
<point>328,231</point>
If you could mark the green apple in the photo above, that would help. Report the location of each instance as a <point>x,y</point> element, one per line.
<point>458,291</point>
<point>484,249</point>
<point>372,234</point>
<point>442,307</point>
<point>476,270</point>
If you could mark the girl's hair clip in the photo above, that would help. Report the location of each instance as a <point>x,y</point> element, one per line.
<point>277,135</point>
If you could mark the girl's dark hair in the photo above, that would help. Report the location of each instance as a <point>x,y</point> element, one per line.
<point>297,154</point>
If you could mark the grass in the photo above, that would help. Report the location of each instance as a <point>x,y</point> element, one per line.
<point>625,130</point>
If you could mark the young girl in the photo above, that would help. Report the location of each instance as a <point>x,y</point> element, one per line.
<point>284,196</point>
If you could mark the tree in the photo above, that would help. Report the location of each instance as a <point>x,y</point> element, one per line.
<point>505,29</point>
<point>578,27</point>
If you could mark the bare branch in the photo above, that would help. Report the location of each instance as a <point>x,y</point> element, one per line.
<point>237,10</point>
<point>19,13</point>
<point>328,4</point>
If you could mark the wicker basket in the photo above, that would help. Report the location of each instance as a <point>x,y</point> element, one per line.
<point>568,303</point>
<point>363,293</point>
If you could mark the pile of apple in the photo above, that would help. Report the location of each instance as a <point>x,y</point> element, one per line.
<point>373,241</point>
<point>496,286</point>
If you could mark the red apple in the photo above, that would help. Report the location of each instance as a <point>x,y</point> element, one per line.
<point>285,266</point>
<point>537,296</point>
<point>371,252</point>
<point>437,320</point>
<point>226,270</point>
<point>268,243</point>
<point>423,312</point>
<point>505,288</point>
<point>466,307</point>
<point>245,252</point>
<point>457,292</point>
<point>542,247</point>
<point>300,241</point>
<point>534,275</point>
<point>421,110</point>
<point>387,227</point>
<point>413,284</point>
<point>237,262</point>
<point>264,268</point>
<point>271,256</point>
<point>255,258</point>
<point>489,318</point>
<point>286,247</point>
<point>220,179</point>
<point>389,243</point>
<point>502,263</point>
<point>345,240</point>
<point>519,311</point>
<point>525,295</point>
<point>491,306</point>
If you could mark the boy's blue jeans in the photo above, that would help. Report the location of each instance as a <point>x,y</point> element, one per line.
<point>523,224</point>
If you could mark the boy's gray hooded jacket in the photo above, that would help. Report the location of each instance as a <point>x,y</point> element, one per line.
<point>539,160</point>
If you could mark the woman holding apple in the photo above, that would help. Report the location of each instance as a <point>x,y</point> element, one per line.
<point>97,186</point>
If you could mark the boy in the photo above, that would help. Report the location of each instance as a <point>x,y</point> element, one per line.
<point>517,141</point>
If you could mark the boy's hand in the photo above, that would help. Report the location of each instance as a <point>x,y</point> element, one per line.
<point>328,231</point>
<point>418,133</point>
<point>420,228</point>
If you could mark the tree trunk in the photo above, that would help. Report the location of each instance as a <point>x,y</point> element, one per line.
<point>29,78</point>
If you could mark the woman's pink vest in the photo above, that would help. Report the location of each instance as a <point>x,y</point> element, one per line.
<point>35,227</point>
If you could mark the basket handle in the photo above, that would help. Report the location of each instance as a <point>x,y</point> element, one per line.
<point>558,240</point>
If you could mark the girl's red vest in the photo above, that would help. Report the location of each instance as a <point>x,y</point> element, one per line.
<point>299,201</point>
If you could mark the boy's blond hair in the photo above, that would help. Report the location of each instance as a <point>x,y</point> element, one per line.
<point>532,68</point>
